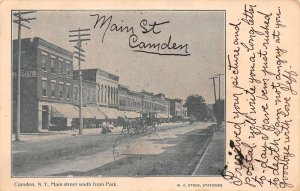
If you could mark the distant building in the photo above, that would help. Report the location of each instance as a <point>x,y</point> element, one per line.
<point>88,91</point>
<point>176,107</point>
<point>147,103</point>
<point>155,104</point>
<point>130,102</point>
<point>106,91</point>
<point>143,102</point>
<point>46,84</point>
<point>162,105</point>
<point>106,86</point>
<point>123,97</point>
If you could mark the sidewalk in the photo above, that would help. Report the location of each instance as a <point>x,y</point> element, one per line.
<point>214,157</point>
<point>51,135</point>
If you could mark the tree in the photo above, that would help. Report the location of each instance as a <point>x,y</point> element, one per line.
<point>219,111</point>
<point>196,107</point>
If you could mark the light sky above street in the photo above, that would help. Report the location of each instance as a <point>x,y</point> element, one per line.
<point>175,76</point>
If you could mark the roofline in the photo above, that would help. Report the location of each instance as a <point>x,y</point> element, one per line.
<point>99,70</point>
<point>51,45</point>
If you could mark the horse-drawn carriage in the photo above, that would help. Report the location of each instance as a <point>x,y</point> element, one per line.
<point>147,122</point>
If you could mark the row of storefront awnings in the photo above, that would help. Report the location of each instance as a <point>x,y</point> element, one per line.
<point>71,111</point>
<point>131,114</point>
<point>162,115</point>
<point>64,111</point>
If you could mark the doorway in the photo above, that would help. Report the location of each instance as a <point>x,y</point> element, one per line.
<point>45,117</point>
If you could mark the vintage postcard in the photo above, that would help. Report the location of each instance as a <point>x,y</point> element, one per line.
<point>140,95</point>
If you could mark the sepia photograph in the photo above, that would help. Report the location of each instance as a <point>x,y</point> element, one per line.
<point>118,93</point>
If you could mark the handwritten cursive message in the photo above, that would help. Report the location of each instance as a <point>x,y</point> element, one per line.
<point>106,24</point>
<point>263,85</point>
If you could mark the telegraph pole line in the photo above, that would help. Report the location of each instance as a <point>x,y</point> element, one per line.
<point>214,84</point>
<point>219,75</point>
<point>78,36</point>
<point>19,20</point>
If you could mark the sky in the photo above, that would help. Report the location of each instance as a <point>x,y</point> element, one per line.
<point>175,76</point>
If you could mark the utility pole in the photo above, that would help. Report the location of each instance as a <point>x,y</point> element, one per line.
<point>20,22</point>
<point>76,35</point>
<point>219,75</point>
<point>213,78</point>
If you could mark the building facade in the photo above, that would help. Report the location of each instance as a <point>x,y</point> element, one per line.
<point>106,91</point>
<point>161,105</point>
<point>50,91</point>
<point>176,107</point>
<point>46,83</point>
<point>88,91</point>
<point>106,86</point>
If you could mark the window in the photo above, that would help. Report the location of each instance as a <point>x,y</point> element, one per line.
<point>76,93</point>
<point>111,95</point>
<point>68,91</point>
<point>102,93</point>
<point>52,65</point>
<point>66,70</point>
<point>59,67</point>
<point>44,64</point>
<point>60,91</point>
<point>108,94</point>
<point>44,87</point>
<point>53,89</point>
<point>98,94</point>
<point>88,96</point>
<point>105,94</point>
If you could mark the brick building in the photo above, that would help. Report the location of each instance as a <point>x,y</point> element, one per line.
<point>130,102</point>
<point>46,85</point>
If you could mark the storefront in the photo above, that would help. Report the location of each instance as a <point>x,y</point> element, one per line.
<point>56,116</point>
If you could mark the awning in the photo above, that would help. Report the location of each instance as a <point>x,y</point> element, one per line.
<point>96,112</point>
<point>131,114</point>
<point>64,110</point>
<point>111,113</point>
<point>162,115</point>
<point>85,112</point>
